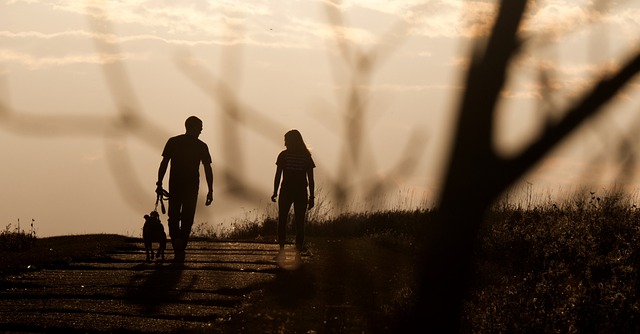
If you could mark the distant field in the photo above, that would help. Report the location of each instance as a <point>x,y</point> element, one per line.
<point>59,251</point>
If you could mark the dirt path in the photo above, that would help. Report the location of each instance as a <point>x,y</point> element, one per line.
<point>120,293</point>
<point>347,286</point>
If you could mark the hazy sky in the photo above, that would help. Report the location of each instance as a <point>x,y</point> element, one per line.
<point>91,91</point>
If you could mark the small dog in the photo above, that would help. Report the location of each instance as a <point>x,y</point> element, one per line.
<point>153,231</point>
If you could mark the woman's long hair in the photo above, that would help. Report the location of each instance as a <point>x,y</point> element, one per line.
<point>294,142</point>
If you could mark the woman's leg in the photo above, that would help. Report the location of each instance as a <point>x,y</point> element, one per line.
<point>300,209</point>
<point>284,205</point>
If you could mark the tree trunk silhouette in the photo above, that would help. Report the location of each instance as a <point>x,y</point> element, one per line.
<point>477,175</point>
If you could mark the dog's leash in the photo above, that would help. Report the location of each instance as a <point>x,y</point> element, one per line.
<point>161,198</point>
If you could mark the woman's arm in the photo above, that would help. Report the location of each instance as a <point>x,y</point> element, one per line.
<point>276,183</point>
<point>312,187</point>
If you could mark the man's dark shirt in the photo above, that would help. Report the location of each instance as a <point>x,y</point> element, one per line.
<point>186,152</point>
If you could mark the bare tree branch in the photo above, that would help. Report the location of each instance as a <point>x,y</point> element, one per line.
<point>591,104</point>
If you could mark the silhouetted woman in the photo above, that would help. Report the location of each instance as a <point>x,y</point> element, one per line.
<point>295,167</point>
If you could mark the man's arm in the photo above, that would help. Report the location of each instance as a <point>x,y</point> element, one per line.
<point>161,171</point>
<point>208,172</point>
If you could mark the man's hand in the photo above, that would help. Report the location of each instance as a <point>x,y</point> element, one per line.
<point>159,190</point>
<point>311,203</point>
<point>209,198</point>
<point>274,197</point>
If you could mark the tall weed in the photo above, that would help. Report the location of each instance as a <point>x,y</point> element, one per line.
<point>16,239</point>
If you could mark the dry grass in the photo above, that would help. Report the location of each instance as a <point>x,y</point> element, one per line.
<point>561,268</point>
<point>16,239</point>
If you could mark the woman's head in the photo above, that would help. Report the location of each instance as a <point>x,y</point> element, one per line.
<point>294,142</point>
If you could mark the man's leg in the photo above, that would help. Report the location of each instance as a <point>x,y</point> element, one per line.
<point>188,215</point>
<point>175,208</point>
<point>175,204</point>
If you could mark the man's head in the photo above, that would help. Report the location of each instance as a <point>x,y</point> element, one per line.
<point>193,125</point>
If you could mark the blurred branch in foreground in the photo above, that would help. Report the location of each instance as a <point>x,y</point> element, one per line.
<point>477,174</point>
<point>357,166</point>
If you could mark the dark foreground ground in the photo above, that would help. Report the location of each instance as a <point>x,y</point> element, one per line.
<point>346,286</point>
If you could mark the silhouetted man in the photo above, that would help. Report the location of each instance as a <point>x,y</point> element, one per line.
<point>185,152</point>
